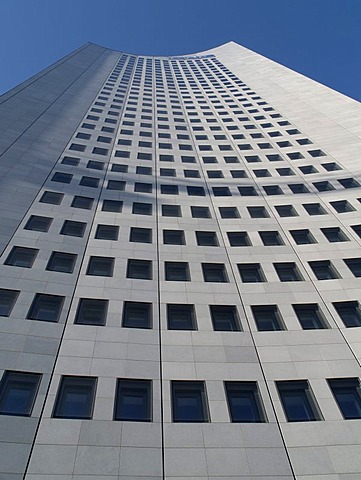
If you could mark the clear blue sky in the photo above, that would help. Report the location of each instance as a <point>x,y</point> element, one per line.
<point>319,38</point>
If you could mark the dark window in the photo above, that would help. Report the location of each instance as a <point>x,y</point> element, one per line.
<point>72,161</point>
<point>262,172</point>
<point>286,211</point>
<point>61,262</point>
<point>173,237</point>
<point>92,182</point>
<point>94,165</point>
<point>75,398</point>
<point>39,224</point>
<point>302,236</point>
<point>100,266</point>
<point>225,318</point>
<point>354,264</point>
<point>171,211</point>
<point>334,234</point>
<point>137,315</point>
<point>323,186</point>
<point>115,206</point>
<point>100,151</point>
<point>107,232</point>
<point>267,318</point>
<point>298,401</point>
<point>244,402</point>
<point>143,187</point>
<point>308,169</point>
<point>200,212</point>
<point>85,203</point>
<point>7,301</point>
<point>141,269</point>
<point>207,239</point>
<point>298,188</point>
<point>314,209</point>
<point>273,190</point>
<point>189,402</point>
<point>309,316</point>
<point>169,172</point>
<point>238,239</point>
<point>258,212</point>
<point>238,174</point>
<point>169,189</point>
<point>285,172</point>
<point>17,393</point>
<point>61,177</point>
<point>214,272</point>
<point>271,238</point>
<point>118,167</point>
<point>247,191</point>
<point>83,136</point>
<point>21,257</point>
<point>251,272</point>
<point>140,208</point>
<point>133,400</point>
<point>116,185</point>
<point>181,317</point>
<point>46,308</point>
<point>324,270</point>
<point>357,229</point>
<point>77,147</point>
<point>53,198</point>
<point>140,235</point>
<point>196,191</point>
<point>177,271</point>
<point>229,212</point>
<point>221,192</point>
<point>349,183</point>
<point>349,312</point>
<point>144,170</point>
<point>347,394</point>
<point>215,174</point>
<point>91,311</point>
<point>287,272</point>
<point>331,166</point>
<point>342,206</point>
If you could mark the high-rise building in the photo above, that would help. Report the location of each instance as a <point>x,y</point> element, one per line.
<point>180,271</point>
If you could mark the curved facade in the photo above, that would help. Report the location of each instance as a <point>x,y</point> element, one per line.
<point>180,271</point>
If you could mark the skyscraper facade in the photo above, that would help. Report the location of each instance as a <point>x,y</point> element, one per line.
<point>180,271</point>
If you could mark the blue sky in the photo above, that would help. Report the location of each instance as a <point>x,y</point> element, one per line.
<point>319,38</point>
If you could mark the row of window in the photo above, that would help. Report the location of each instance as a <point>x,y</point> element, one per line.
<point>133,399</point>
<point>92,311</point>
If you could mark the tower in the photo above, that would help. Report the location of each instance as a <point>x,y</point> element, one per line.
<point>180,263</point>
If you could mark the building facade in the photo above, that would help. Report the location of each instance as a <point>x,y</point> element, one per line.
<point>180,271</point>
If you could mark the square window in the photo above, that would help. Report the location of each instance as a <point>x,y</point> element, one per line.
<point>100,266</point>
<point>309,316</point>
<point>92,182</point>
<point>316,153</point>
<point>21,257</point>
<point>118,167</point>
<point>144,170</point>
<point>286,211</point>
<point>143,187</point>
<point>267,318</point>
<point>7,301</point>
<point>133,400</point>
<point>349,313</point>
<point>171,211</point>
<point>207,239</point>
<point>74,229</point>
<point>262,172</point>
<point>17,393</point>
<point>137,315</point>
<point>347,393</point>
<point>75,398</point>
<point>39,224</point>
<point>191,174</point>
<point>72,161</point>
<point>271,238</point>
<point>173,237</point>
<point>342,206</point>
<point>238,174</point>
<point>308,169</point>
<point>247,191</point>
<point>46,308</point>
<point>169,189</point>
<point>61,262</point>
<point>52,198</point>
<point>334,234</point>
<point>100,151</point>
<point>258,212</point>
<point>181,317</point>
<point>251,272</point>
<point>302,236</point>
<point>94,165</point>
<point>324,270</point>
<point>225,318</point>
<point>354,264</point>
<point>272,190</point>
<point>140,235</point>
<point>91,311</point>
<point>107,232</point>
<point>314,209</point>
<point>231,159</point>
<point>77,147</point>
<point>221,191</point>
<point>288,272</point>
<point>167,172</point>
<point>244,402</point>
<point>298,188</point>
<point>61,177</point>
<point>196,191</point>
<point>229,212</point>
<point>85,203</point>
<point>331,166</point>
<point>189,402</point>
<point>238,239</point>
<point>177,271</point>
<point>140,269</point>
<point>115,206</point>
<point>323,186</point>
<point>298,401</point>
<point>116,185</point>
<point>200,212</point>
<point>140,208</point>
<point>214,272</point>
<point>215,174</point>
<point>357,229</point>
<point>276,157</point>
